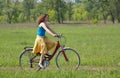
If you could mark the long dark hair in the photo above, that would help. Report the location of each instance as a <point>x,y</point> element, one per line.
<point>41,18</point>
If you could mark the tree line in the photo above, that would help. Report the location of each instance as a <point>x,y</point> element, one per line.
<point>60,11</point>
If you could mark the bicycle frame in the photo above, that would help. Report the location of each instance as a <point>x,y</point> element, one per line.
<point>55,51</point>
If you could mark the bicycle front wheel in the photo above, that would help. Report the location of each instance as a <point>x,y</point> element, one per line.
<point>26,62</point>
<point>68,59</point>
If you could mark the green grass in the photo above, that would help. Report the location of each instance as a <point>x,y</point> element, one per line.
<point>98,46</point>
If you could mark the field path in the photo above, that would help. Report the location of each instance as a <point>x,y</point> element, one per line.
<point>91,68</point>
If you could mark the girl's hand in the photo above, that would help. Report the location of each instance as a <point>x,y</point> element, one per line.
<point>58,35</point>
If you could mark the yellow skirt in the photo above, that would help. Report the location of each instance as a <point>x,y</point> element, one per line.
<point>43,45</point>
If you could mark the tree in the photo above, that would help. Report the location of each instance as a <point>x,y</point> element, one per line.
<point>111,9</point>
<point>93,6</point>
<point>58,6</point>
<point>70,4</point>
<point>27,6</point>
<point>11,10</point>
<point>1,6</point>
<point>8,10</point>
<point>1,10</point>
<point>60,9</point>
<point>117,7</point>
<point>79,13</point>
<point>16,10</point>
<point>104,10</point>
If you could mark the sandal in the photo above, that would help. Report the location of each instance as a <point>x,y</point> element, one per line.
<point>41,66</point>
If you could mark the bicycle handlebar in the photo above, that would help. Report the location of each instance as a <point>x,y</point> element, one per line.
<point>61,39</point>
<point>59,35</point>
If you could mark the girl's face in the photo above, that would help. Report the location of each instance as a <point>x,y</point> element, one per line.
<point>47,18</point>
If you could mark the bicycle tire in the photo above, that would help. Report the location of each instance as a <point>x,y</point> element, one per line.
<point>24,60</point>
<point>73,62</point>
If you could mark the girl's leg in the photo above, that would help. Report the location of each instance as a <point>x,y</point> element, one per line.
<point>41,59</point>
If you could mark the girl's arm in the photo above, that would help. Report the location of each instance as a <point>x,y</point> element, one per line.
<point>48,29</point>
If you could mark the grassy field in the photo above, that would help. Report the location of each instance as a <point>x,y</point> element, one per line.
<point>98,46</point>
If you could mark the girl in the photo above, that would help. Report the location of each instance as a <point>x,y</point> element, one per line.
<point>42,43</point>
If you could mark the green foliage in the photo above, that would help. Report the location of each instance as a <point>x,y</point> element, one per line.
<point>1,17</point>
<point>79,12</point>
<point>94,21</point>
<point>1,6</point>
<point>40,9</point>
<point>21,17</point>
<point>51,15</point>
<point>63,10</point>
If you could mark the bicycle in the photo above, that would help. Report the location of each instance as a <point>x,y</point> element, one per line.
<point>67,58</point>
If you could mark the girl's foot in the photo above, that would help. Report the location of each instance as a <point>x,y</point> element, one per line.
<point>41,66</point>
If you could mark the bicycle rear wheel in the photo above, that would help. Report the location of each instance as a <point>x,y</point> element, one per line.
<point>71,62</point>
<point>26,62</point>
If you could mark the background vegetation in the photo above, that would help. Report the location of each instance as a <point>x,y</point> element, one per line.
<point>60,11</point>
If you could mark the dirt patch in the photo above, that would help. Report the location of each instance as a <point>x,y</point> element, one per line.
<point>118,63</point>
<point>9,67</point>
<point>93,68</point>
